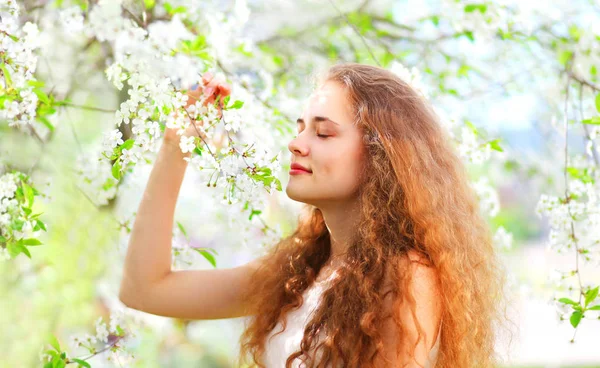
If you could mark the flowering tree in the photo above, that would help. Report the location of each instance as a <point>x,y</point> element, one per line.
<point>162,60</point>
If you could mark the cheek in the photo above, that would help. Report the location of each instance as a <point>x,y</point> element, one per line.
<point>342,164</point>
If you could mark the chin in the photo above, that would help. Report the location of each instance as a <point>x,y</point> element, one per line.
<point>295,196</point>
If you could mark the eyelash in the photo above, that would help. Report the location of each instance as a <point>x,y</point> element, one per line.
<point>322,136</point>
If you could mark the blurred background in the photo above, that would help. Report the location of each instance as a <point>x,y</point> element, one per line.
<point>497,73</point>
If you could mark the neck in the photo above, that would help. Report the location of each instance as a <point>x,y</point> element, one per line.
<point>341,221</point>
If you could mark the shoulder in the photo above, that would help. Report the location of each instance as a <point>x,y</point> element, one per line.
<point>425,285</point>
<point>421,321</point>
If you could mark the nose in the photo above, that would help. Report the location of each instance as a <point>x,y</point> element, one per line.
<point>297,147</point>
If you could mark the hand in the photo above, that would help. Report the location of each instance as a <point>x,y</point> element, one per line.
<point>212,88</point>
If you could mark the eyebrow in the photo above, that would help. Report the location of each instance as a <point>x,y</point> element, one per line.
<point>318,119</point>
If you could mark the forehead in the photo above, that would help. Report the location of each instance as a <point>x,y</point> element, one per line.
<point>330,100</point>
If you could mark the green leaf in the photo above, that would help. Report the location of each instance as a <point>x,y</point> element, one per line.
<point>590,295</point>
<point>207,255</point>
<point>171,11</point>
<point>581,174</point>
<point>494,145</point>
<point>593,121</point>
<point>32,242</point>
<point>127,144</point>
<point>42,96</point>
<point>472,7</point>
<point>598,102</point>
<point>35,83</point>
<point>54,342</point>
<point>82,363</point>
<point>116,170</point>
<point>28,193</point>
<point>254,212</point>
<point>149,4</point>
<point>236,105</point>
<point>6,74</point>
<point>182,228</point>
<point>41,225</point>
<point>463,71</point>
<point>595,307</point>
<point>17,224</point>
<point>22,248</point>
<point>46,122</point>
<point>564,56</point>
<point>576,318</point>
<point>198,150</point>
<point>471,126</point>
<point>567,301</point>
<point>468,34</point>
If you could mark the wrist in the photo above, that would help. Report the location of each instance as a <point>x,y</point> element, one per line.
<point>172,145</point>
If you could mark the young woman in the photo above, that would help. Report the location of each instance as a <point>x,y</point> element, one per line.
<point>390,266</point>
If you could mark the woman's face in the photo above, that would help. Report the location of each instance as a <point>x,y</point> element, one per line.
<point>330,146</point>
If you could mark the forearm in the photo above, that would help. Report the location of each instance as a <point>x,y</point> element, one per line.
<point>148,256</point>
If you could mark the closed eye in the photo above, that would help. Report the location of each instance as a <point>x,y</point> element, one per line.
<point>322,136</point>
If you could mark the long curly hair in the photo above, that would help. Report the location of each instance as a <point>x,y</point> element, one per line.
<point>415,196</point>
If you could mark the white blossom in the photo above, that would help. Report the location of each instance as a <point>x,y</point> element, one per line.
<point>187,144</point>
<point>101,331</point>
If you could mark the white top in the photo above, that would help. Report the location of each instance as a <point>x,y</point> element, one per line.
<point>278,348</point>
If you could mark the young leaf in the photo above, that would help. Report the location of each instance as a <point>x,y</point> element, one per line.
<point>54,342</point>
<point>28,193</point>
<point>576,318</point>
<point>21,248</point>
<point>494,145</point>
<point>116,170</point>
<point>236,105</point>
<point>32,242</point>
<point>46,122</point>
<point>567,301</point>
<point>590,295</point>
<point>35,83</point>
<point>6,74</point>
<point>180,226</point>
<point>598,102</point>
<point>42,96</point>
<point>82,363</point>
<point>208,256</point>
<point>593,121</point>
<point>127,144</point>
<point>41,225</point>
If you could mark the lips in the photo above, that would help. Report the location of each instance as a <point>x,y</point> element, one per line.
<point>296,166</point>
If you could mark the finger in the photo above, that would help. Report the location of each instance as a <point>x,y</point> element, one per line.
<point>209,91</point>
<point>209,100</point>
<point>193,96</point>
<point>207,77</point>
<point>224,90</point>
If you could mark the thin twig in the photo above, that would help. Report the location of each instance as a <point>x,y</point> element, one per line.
<point>585,127</point>
<point>567,196</point>
<point>582,81</point>
<point>93,108</point>
<point>355,30</point>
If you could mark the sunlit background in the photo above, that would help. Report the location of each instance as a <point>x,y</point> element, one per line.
<point>507,85</point>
